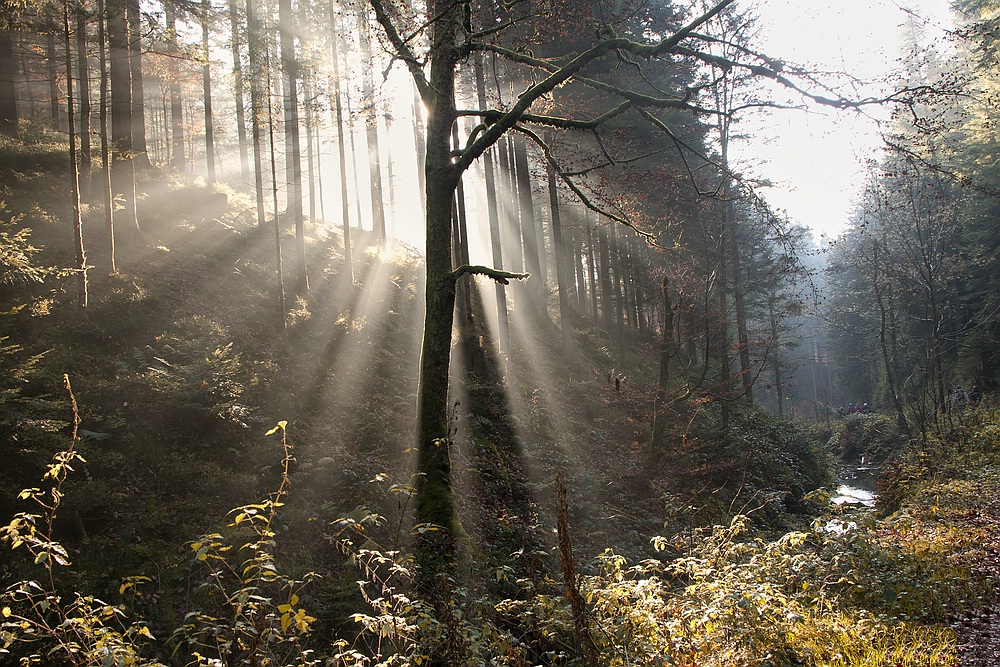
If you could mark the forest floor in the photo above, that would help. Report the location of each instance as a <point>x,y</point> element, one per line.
<point>978,629</point>
<point>182,364</point>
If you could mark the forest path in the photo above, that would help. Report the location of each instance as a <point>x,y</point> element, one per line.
<point>978,630</point>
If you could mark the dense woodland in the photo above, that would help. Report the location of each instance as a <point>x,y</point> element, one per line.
<point>447,333</point>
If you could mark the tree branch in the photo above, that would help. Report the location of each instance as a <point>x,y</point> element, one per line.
<point>502,277</point>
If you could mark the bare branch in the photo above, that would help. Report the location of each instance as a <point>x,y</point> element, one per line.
<point>502,277</point>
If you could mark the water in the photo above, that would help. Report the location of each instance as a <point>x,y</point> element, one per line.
<point>857,485</point>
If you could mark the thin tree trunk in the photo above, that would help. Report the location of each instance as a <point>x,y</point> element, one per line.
<point>310,158</point>
<point>140,157</point>
<point>739,295</point>
<point>529,229</point>
<point>8,85</point>
<point>663,384</point>
<point>81,255</point>
<point>580,265</point>
<point>722,332</point>
<point>254,46</point>
<point>419,141</point>
<point>507,198</point>
<point>607,301</point>
<point>592,275</point>
<point>83,77</point>
<point>779,386</point>
<point>123,165</point>
<point>55,109</point>
<point>280,282</point>
<point>106,191</point>
<point>345,207</point>
<point>503,326</point>
<point>177,152</point>
<point>558,250</point>
<point>206,76</point>
<point>238,93</point>
<point>371,126</point>
<point>293,159</point>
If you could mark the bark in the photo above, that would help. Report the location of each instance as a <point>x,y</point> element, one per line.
<point>489,172</point>
<point>722,328</point>
<point>106,191</point>
<point>8,85</point>
<point>507,198</point>
<point>123,166</point>
<point>529,229</point>
<point>140,154</point>
<point>178,157</point>
<point>341,147</point>
<point>607,301</point>
<point>83,95</point>
<point>371,126</point>
<point>279,282</point>
<point>592,275</point>
<point>739,296</point>
<point>206,79</point>
<point>254,54</point>
<point>663,383</point>
<point>419,143</point>
<point>81,254</point>
<point>238,92</point>
<point>888,361</point>
<point>310,158</point>
<point>779,386</point>
<point>559,251</point>
<point>55,109</point>
<point>293,159</point>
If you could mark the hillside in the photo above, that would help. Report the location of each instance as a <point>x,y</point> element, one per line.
<point>181,365</point>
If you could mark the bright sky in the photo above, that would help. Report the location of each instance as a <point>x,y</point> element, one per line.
<point>816,157</point>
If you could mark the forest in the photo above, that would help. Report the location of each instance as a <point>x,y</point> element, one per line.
<point>390,332</point>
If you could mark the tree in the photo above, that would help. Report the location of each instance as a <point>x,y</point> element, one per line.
<point>449,33</point>
<point>293,157</point>
<point>8,70</point>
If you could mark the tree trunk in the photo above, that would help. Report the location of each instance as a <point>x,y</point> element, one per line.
<point>559,252</point>
<point>293,160</point>
<point>123,166</point>
<point>435,500</point>
<point>739,295</point>
<point>345,210</point>
<point>84,97</point>
<point>779,387</point>
<point>106,191</point>
<point>254,54</point>
<point>592,275</point>
<point>140,157</point>
<point>238,94</point>
<point>8,85</point>
<point>206,79</point>
<point>55,109</point>
<point>489,171</point>
<point>178,156</point>
<point>280,281</point>
<point>310,158</point>
<point>722,329</point>
<point>529,231</point>
<point>663,384</point>
<point>607,301</point>
<point>507,198</point>
<point>371,126</point>
<point>81,255</point>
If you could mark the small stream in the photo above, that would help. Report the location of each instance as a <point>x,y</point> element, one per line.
<point>856,485</point>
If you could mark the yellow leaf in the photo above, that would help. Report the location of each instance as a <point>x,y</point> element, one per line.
<point>6,612</point>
